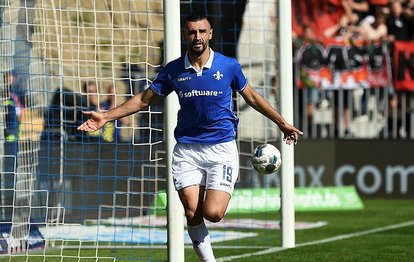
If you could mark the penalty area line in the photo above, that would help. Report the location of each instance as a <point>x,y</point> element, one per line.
<point>322,241</point>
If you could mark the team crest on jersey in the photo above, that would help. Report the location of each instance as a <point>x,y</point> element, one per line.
<point>218,75</point>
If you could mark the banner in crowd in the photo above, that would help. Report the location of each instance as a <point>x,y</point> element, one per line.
<point>336,64</point>
<point>404,65</point>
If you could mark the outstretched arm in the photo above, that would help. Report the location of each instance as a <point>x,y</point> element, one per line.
<point>129,107</point>
<point>256,101</point>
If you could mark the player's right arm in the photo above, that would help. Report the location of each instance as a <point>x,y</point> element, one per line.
<point>129,107</point>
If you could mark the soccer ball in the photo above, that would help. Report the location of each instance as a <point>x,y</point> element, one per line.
<point>266,159</point>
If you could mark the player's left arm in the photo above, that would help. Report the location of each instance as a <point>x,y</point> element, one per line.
<point>259,103</point>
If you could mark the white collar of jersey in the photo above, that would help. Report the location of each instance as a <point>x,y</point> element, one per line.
<point>208,64</point>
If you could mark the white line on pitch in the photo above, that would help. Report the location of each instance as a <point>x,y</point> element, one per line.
<point>326,240</point>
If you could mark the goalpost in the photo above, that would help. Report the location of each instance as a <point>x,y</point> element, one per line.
<point>286,108</point>
<point>175,210</point>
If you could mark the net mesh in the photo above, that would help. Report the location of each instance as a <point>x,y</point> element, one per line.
<point>101,195</point>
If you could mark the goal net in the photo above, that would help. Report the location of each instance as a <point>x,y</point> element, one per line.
<point>73,195</point>
<point>62,188</point>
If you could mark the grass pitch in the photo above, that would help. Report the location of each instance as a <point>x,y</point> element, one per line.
<point>382,231</point>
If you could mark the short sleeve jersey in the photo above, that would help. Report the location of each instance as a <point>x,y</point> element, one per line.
<point>206,112</point>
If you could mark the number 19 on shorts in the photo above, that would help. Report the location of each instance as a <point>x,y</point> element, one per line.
<point>227,173</point>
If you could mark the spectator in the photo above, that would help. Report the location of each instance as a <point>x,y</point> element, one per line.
<point>409,9</point>
<point>13,105</point>
<point>399,23</point>
<point>373,28</point>
<point>340,97</point>
<point>109,133</point>
<point>111,99</point>
<point>355,12</point>
<point>63,115</point>
<point>352,13</point>
<point>343,12</point>
<point>308,91</point>
<point>361,8</point>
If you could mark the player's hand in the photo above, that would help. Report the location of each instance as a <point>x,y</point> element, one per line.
<point>291,134</point>
<point>95,122</point>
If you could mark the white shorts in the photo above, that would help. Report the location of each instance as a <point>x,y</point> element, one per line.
<point>215,166</point>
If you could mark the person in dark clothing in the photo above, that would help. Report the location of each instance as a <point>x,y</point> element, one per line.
<point>399,23</point>
<point>13,107</point>
<point>64,114</point>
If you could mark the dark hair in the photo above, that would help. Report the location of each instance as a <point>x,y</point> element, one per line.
<point>195,17</point>
<point>86,84</point>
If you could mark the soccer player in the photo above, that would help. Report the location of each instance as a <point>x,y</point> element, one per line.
<point>205,158</point>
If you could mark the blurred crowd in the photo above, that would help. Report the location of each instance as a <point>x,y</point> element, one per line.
<point>67,107</point>
<point>366,19</point>
<point>350,21</point>
<point>312,21</point>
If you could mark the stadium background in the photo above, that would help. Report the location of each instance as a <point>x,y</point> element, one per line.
<point>53,47</point>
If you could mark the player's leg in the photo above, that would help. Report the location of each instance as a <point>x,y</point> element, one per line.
<point>189,181</point>
<point>192,199</point>
<point>222,174</point>
<point>216,205</point>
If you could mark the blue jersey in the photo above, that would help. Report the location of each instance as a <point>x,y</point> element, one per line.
<point>206,112</point>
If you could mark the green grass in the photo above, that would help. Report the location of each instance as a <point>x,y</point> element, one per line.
<point>385,245</point>
<point>390,245</point>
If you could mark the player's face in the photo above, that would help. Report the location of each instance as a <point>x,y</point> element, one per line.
<point>197,35</point>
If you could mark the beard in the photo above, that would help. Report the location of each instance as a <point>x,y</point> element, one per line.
<point>198,50</point>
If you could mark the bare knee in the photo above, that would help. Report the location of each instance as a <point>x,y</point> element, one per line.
<point>213,216</point>
<point>195,218</point>
<point>215,205</point>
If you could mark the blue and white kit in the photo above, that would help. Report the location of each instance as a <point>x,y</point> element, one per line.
<point>206,112</point>
<point>206,153</point>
